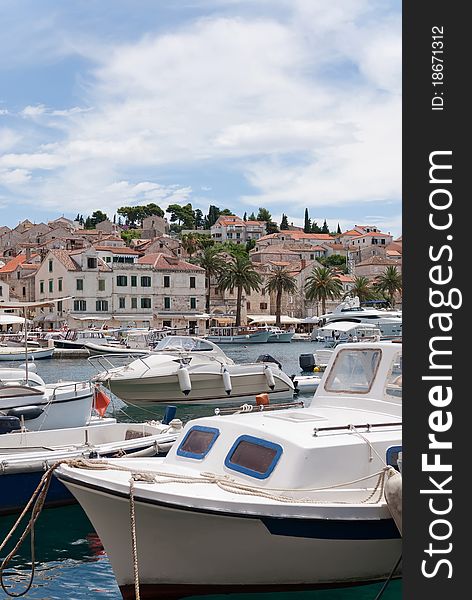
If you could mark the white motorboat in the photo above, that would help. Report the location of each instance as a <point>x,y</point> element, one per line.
<point>77,338</point>
<point>277,335</point>
<point>237,335</point>
<point>261,501</point>
<point>347,331</point>
<point>187,369</point>
<point>306,384</point>
<point>16,353</point>
<point>388,321</point>
<point>26,455</point>
<point>25,395</point>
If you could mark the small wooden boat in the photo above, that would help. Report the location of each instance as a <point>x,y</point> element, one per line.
<point>19,353</point>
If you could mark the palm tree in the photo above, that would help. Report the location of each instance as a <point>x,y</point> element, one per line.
<point>212,261</point>
<point>189,243</point>
<point>323,283</point>
<point>278,282</point>
<point>389,283</point>
<point>362,288</point>
<point>240,274</point>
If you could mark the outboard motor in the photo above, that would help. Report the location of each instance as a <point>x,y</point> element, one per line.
<point>9,424</point>
<point>26,412</point>
<point>268,358</point>
<point>307,362</point>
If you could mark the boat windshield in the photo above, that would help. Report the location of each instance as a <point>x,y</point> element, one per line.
<point>393,383</point>
<point>179,343</point>
<point>353,371</point>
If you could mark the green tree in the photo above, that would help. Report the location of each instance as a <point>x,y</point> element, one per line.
<point>212,260</point>
<point>199,218</point>
<point>323,284</point>
<point>245,216</point>
<point>250,244</point>
<point>339,230</point>
<point>239,274</point>
<point>252,217</point>
<point>315,228</point>
<point>335,260</point>
<point>98,217</point>
<point>134,215</point>
<point>307,222</point>
<point>325,228</point>
<point>362,288</point>
<point>182,215</point>
<point>284,223</point>
<point>189,243</point>
<point>389,283</point>
<point>278,282</point>
<point>264,215</point>
<point>130,234</point>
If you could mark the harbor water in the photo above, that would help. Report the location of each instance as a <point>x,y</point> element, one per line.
<point>70,560</point>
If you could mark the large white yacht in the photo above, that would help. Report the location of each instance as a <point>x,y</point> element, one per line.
<point>388,321</point>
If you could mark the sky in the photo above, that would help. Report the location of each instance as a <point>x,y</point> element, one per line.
<point>282,104</point>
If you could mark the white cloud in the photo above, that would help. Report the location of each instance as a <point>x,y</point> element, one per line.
<point>306,109</point>
<point>14,177</point>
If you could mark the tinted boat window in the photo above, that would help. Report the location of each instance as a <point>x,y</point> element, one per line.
<point>353,371</point>
<point>198,442</point>
<point>253,456</point>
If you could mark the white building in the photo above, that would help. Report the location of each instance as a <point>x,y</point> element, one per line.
<point>155,292</point>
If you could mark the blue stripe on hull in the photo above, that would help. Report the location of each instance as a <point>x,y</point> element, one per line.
<point>17,489</point>
<point>382,529</point>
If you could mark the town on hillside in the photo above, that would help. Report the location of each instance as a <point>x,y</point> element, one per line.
<point>192,271</point>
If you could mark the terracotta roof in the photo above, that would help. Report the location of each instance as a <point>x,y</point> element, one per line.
<point>374,234</point>
<point>119,250</point>
<point>274,250</point>
<point>351,232</point>
<point>377,260</point>
<point>297,235</point>
<point>14,263</point>
<point>337,246</point>
<point>64,257</point>
<point>393,253</point>
<point>261,223</point>
<point>345,278</point>
<point>167,263</point>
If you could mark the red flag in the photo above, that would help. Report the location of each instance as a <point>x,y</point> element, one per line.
<point>101,401</point>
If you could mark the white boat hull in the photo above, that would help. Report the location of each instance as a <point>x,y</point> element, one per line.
<point>260,337</point>
<point>206,387</point>
<point>11,353</point>
<point>240,552</point>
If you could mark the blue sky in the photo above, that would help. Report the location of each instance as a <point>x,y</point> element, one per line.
<point>284,104</point>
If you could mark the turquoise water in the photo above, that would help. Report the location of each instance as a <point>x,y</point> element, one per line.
<point>71,563</point>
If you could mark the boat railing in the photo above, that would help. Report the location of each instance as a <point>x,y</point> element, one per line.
<point>76,385</point>
<point>354,428</point>
<point>105,361</point>
<point>253,408</point>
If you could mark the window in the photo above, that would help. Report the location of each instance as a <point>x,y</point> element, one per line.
<point>167,303</point>
<point>145,281</point>
<point>193,303</point>
<point>80,305</point>
<point>91,263</point>
<point>248,305</point>
<point>166,281</point>
<point>101,285</point>
<point>392,456</point>
<point>394,381</point>
<point>197,442</point>
<point>167,324</point>
<point>41,287</point>
<point>79,286</point>
<point>253,456</point>
<point>59,285</point>
<point>101,306</point>
<point>107,259</point>
<point>24,291</point>
<point>312,256</point>
<point>134,303</point>
<point>353,371</point>
<point>59,307</point>
<point>145,302</point>
<point>263,305</point>
<point>193,282</point>
<point>134,280</point>
<point>1,290</point>
<point>122,302</point>
<point>50,266</point>
<point>122,280</point>
<point>51,285</point>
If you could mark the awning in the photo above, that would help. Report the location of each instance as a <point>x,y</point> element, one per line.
<point>346,326</point>
<point>270,319</point>
<point>6,319</point>
<point>50,317</point>
<point>39,304</point>
<point>92,318</point>
<point>310,320</point>
<point>224,319</point>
